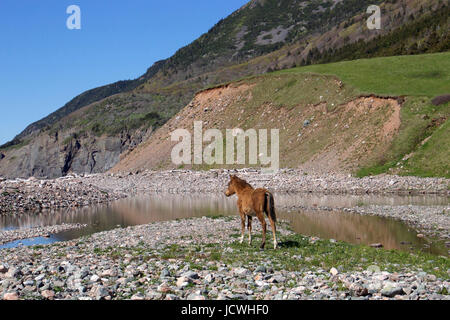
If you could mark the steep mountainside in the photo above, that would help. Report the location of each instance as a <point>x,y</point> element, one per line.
<point>91,132</point>
<point>327,124</point>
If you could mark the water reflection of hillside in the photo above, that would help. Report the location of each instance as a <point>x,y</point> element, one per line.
<point>127,212</point>
<point>349,201</point>
<point>355,228</point>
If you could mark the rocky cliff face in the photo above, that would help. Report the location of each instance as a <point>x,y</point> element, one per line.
<point>59,154</point>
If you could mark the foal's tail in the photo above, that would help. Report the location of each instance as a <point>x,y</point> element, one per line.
<point>270,207</point>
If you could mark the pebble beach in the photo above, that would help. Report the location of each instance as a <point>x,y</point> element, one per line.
<point>201,258</point>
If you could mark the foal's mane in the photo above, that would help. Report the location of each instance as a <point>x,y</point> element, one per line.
<point>240,183</point>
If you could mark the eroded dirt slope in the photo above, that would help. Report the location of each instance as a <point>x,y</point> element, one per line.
<point>324,125</point>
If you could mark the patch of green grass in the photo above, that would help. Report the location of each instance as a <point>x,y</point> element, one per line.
<point>215,256</point>
<point>196,266</point>
<point>57,289</point>
<point>432,159</point>
<point>444,291</point>
<point>326,255</point>
<point>360,203</point>
<point>173,251</point>
<point>215,217</point>
<point>67,140</point>
<point>418,75</point>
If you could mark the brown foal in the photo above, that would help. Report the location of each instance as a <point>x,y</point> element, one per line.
<point>253,203</point>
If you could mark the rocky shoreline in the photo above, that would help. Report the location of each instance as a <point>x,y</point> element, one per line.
<point>20,195</point>
<point>201,258</point>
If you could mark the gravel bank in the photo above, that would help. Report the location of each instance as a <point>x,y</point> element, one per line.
<point>20,195</point>
<point>292,181</point>
<point>200,259</point>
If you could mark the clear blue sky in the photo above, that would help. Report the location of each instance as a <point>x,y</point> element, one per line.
<point>43,65</point>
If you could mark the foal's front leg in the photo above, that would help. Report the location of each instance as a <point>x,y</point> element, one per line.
<point>249,226</point>
<point>242,214</point>
<point>242,227</point>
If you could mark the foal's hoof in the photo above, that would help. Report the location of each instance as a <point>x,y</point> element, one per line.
<point>262,246</point>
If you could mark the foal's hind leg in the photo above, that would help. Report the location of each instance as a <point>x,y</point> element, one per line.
<point>249,226</point>
<point>274,232</point>
<point>264,229</point>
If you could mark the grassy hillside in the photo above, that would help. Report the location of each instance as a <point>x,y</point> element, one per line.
<point>419,75</point>
<point>419,78</point>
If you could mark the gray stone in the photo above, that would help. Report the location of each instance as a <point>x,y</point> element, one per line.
<point>195,297</point>
<point>39,277</point>
<point>28,283</point>
<point>183,282</point>
<point>101,292</point>
<point>209,278</point>
<point>3,268</point>
<point>165,273</point>
<point>137,296</point>
<point>277,279</point>
<point>191,275</point>
<point>261,269</point>
<point>241,272</point>
<point>13,273</point>
<point>391,291</point>
<point>94,278</point>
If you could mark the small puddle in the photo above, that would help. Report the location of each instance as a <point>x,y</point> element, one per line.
<point>342,226</point>
<point>29,242</point>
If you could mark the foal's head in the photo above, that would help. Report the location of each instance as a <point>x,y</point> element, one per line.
<point>235,185</point>
<point>231,186</point>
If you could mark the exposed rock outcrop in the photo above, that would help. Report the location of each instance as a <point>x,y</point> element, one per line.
<point>58,154</point>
